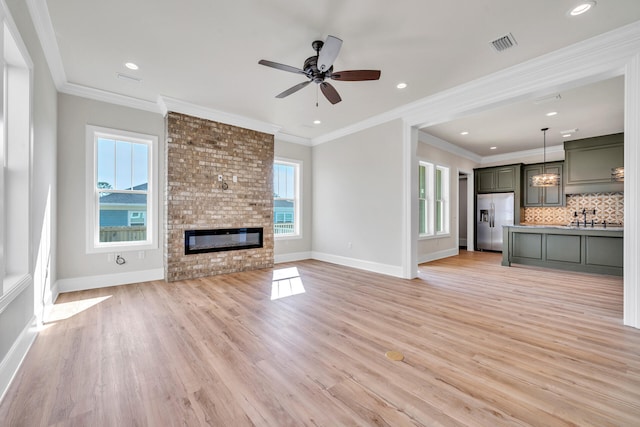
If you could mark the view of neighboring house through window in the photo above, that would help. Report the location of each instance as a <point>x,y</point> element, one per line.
<point>286,183</point>
<point>120,197</point>
<point>433,199</point>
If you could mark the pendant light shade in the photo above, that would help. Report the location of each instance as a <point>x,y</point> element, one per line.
<point>544,179</point>
<point>617,174</point>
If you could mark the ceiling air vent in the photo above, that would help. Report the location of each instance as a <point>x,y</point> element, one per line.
<point>503,43</point>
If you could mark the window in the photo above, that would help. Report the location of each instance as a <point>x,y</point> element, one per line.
<point>425,198</point>
<point>15,163</point>
<point>286,198</point>
<point>433,200</point>
<point>442,199</point>
<point>121,190</point>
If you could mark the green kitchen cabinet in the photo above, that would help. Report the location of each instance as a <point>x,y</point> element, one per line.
<point>588,250</point>
<point>500,179</point>
<point>543,196</point>
<point>588,164</point>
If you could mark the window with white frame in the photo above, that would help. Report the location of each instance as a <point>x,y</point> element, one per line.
<point>15,125</point>
<point>122,210</point>
<point>286,198</point>
<point>442,200</point>
<point>433,199</point>
<point>425,198</point>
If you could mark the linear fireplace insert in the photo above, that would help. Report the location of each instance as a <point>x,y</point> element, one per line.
<point>221,239</point>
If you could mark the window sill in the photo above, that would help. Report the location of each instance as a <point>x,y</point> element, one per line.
<point>126,247</point>
<point>287,237</point>
<point>434,236</point>
<point>12,286</point>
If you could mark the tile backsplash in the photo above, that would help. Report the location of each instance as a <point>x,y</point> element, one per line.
<point>609,207</point>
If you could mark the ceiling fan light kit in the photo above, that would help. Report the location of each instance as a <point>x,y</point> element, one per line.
<point>319,67</point>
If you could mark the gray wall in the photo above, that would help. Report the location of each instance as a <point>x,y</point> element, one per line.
<point>357,198</point>
<point>297,248</point>
<point>438,247</point>
<point>74,113</point>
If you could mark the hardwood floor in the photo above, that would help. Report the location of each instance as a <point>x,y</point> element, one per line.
<point>483,345</point>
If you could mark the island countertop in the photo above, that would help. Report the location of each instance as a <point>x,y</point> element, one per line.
<point>570,227</point>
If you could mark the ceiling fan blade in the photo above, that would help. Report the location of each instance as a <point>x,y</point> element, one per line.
<point>329,53</point>
<point>330,93</point>
<point>279,66</point>
<point>293,89</point>
<point>356,75</point>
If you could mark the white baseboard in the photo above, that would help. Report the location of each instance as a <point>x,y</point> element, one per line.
<point>106,280</point>
<point>389,270</point>
<point>438,255</point>
<point>292,257</point>
<point>12,361</point>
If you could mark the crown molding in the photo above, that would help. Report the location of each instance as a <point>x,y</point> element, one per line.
<point>281,136</point>
<point>110,97</point>
<point>517,156</point>
<point>441,144</point>
<point>588,61</point>
<point>44,29</point>
<point>585,62</point>
<point>171,104</point>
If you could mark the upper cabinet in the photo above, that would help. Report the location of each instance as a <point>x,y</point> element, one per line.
<point>498,180</point>
<point>543,196</point>
<point>588,164</point>
<point>501,179</point>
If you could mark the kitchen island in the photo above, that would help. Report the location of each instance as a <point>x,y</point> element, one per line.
<point>584,249</point>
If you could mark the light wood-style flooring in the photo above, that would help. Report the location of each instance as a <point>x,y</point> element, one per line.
<point>484,345</point>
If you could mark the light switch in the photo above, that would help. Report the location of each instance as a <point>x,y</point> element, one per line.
<point>235,178</point>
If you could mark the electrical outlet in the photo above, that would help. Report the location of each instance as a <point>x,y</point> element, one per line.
<point>219,177</point>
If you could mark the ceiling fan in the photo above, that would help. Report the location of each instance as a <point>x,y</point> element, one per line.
<point>319,67</point>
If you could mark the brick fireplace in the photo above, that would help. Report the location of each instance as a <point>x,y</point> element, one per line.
<point>218,177</point>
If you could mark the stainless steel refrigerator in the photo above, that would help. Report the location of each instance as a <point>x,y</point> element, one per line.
<point>494,211</point>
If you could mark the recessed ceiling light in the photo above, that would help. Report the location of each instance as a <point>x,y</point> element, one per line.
<point>131,66</point>
<point>316,122</point>
<point>401,85</point>
<point>582,8</point>
<point>566,135</point>
<point>464,133</point>
<point>492,148</point>
<point>552,113</point>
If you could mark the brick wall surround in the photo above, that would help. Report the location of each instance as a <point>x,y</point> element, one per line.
<point>198,150</point>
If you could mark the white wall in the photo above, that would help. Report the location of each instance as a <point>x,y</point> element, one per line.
<point>433,248</point>
<point>294,249</point>
<point>76,268</point>
<point>18,316</point>
<point>357,199</point>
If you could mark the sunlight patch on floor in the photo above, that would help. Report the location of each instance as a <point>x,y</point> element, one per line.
<point>286,282</point>
<point>66,310</point>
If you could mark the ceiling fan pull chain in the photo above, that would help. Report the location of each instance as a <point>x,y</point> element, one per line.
<point>317,89</point>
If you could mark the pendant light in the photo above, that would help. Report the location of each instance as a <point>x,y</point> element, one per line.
<point>544,179</point>
<point>617,174</point>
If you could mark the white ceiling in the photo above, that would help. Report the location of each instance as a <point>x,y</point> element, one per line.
<point>206,52</point>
